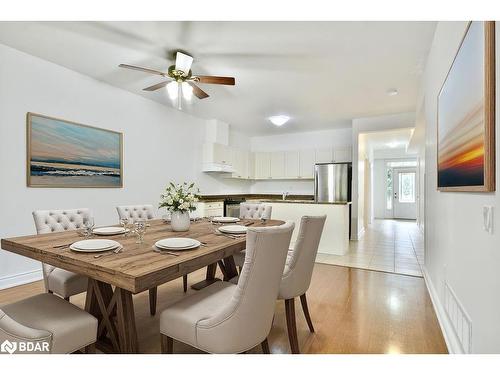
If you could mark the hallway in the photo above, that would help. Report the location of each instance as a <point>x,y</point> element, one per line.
<point>395,246</point>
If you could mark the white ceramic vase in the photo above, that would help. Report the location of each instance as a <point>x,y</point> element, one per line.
<point>180,221</point>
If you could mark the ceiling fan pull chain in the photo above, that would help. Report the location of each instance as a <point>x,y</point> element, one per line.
<point>179,96</point>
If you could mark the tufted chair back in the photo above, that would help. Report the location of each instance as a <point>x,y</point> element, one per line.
<point>255,211</point>
<point>254,296</point>
<point>300,261</point>
<point>145,212</point>
<point>48,221</point>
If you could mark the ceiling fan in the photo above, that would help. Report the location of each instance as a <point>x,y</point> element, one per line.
<point>182,83</point>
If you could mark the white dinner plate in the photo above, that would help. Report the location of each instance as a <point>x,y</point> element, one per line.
<point>233,229</point>
<point>177,243</point>
<point>109,231</point>
<point>225,219</point>
<point>93,246</point>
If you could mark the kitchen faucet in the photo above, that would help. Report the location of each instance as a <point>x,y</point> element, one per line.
<point>284,195</point>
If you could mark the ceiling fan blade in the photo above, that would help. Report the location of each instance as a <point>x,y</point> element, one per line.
<point>200,94</point>
<point>147,70</point>
<point>183,62</point>
<point>157,86</point>
<point>216,80</point>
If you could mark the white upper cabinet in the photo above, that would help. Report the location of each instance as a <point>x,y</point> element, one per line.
<point>292,164</point>
<point>262,165</point>
<point>216,153</point>
<point>240,158</point>
<point>324,155</point>
<point>277,165</point>
<point>307,159</point>
<point>250,165</point>
<point>342,154</point>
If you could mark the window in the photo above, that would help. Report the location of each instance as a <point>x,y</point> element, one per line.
<point>407,187</point>
<point>388,204</point>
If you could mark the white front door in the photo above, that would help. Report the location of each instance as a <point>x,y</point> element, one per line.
<point>404,193</point>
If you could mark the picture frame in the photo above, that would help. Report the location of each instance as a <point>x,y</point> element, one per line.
<point>466,115</point>
<point>67,154</point>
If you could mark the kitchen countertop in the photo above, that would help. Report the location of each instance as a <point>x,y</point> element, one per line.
<point>302,201</point>
<point>219,197</point>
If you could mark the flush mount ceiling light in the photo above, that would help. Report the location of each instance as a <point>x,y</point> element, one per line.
<point>392,92</point>
<point>279,120</point>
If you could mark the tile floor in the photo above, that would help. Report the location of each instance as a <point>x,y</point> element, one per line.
<point>395,246</point>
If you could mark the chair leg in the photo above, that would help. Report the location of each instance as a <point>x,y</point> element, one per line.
<point>153,295</point>
<point>265,347</point>
<point>167,344</point>
<point>303,301</point>
<point>90,349</point>
<point>291,325</point>
<point>185,283</point>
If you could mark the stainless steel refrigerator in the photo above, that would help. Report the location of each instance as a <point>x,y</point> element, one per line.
<point>332,182</point>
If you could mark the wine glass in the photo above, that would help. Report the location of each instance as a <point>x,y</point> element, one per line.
<point>88,224</point>
<point>124,222</point>
<point>140,230</point>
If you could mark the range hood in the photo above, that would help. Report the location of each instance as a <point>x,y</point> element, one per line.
<point>217,155</point>
<point>217,168</point>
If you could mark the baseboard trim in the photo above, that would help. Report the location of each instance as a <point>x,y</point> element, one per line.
<point>450,338</point>
<point>20,279</point>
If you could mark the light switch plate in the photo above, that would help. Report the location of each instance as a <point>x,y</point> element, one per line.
<point>488,219</point>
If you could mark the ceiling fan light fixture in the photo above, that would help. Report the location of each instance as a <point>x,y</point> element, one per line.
<point>172,90</point>
<point>279,120</point>
<point>187,91</point>
<point>183,62</point>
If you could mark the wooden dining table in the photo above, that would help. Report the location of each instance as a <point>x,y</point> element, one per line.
<point>114,277</point>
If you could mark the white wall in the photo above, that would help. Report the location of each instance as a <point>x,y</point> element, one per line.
<point>379,190</point>
<point>458,250</point>
<point>296,141</point>
<point>160,145</point>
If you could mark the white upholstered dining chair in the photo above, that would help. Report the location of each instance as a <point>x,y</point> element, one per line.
<point>49,324</point>
<point>233,318</point>
<point>298,272</point>
<point>57,280</point>
<point>255,211</point>
<point>251,211</point>
<point>145,212</point>
<point>136,212</point>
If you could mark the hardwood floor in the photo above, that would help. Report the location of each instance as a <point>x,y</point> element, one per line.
<point>353,311</point>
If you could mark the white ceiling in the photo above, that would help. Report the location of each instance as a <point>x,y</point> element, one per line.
<point>322,74</point>
<point>396,139</point>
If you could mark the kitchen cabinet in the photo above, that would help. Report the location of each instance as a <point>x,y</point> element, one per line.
<point>307,159</point>
<point>277,165</point>
<point>240,163</point>
<point>208,209</point>
<point>262,165</point>
<point>216,153</point>
<point>292,164</point>
<point>324,155</point>
<point>342,155</point>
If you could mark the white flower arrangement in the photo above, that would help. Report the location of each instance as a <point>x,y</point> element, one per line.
<point>180,197</point>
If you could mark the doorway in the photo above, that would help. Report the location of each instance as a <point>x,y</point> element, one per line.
<point>404,193</point>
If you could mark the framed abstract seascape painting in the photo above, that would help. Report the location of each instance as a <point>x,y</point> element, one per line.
<point>466,115</point>
<point>65,154</point>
